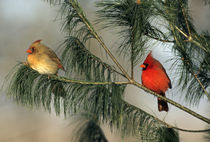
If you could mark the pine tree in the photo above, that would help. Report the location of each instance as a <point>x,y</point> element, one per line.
<point>92,89</point>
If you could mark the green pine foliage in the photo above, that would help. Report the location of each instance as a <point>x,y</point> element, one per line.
<point>81,62</point>
<point>74,20</point>
<point>135,23</point>
<point>192,51</point>
<point>91,88</point>
<point>31,89</point>
<point>104,102</point>
<point>172,136</point>
<point>89,131</point>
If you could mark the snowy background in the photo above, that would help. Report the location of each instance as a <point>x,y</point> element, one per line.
<point>24,21</point>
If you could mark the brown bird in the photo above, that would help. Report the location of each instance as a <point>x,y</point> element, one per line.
<point>43,59</point>
<point>155,78</point>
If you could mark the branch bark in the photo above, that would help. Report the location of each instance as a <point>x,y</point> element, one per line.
<point>67,80</point>
<point>173,103</point>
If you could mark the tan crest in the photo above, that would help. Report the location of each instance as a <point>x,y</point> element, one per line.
<point>37,41</point>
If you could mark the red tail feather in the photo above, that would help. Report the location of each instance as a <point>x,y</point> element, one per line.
<point>61,67</point>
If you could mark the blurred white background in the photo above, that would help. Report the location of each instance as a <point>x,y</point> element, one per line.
<point>24,21</point>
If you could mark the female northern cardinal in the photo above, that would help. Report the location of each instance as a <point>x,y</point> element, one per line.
<point>43,59</point>
<point>154,77</point>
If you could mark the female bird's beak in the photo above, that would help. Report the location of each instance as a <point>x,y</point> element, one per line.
<point>142,66</point>
<point>29,51</point>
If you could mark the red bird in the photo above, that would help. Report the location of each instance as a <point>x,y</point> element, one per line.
<point>155,78</point>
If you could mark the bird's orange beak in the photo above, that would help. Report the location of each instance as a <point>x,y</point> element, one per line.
<point>142,66</point>
<point>29,51</point>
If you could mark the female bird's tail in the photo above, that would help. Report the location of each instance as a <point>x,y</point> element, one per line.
<point>162,105</point>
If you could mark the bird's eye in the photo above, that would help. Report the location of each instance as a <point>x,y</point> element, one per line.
<point>145,66</point>
<point>32,48</point>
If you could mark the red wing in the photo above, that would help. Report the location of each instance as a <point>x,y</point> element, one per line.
<point>160,65</point>
<point>169,84</point>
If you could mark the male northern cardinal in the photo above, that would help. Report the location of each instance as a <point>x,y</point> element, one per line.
<point>154,77</point>
<point>43,59</point>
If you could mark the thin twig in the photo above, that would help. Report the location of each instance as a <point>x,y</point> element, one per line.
<point>191,131</point>
<point>196,77</point>
<point>190,39</point>
<point>186,21</point>
<point>181,129</point>
<point>118,72</point>
<point>173,103</point>
<point>67,80</point>
<point>169,125</point>
<point>159,39</point>
<point>199,45</point>
<point>184,34</point>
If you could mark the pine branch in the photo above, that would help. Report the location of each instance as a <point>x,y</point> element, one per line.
<point>29,88</point>
<point>171,136</point>
<point>185,18</point>
<point>67,80</point>
<point>134,23</point>
<point>161,40</point>
<point>87,23</point>
<point>75,56</point>
<point>76,99</point>
<point>184,34</point>
<point>118,113</point>
<point>201,86</point>
<point>88,130</point>
<point>190,39</point>
<point>92,30</point>
<point>174,103</point>
<point>30,76</point>
<point>198,44</point>
<point>102,96</point>
<point>191,131</point>
<point>169,125</point>
<point>187,68</point>
<point>186,47</point>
